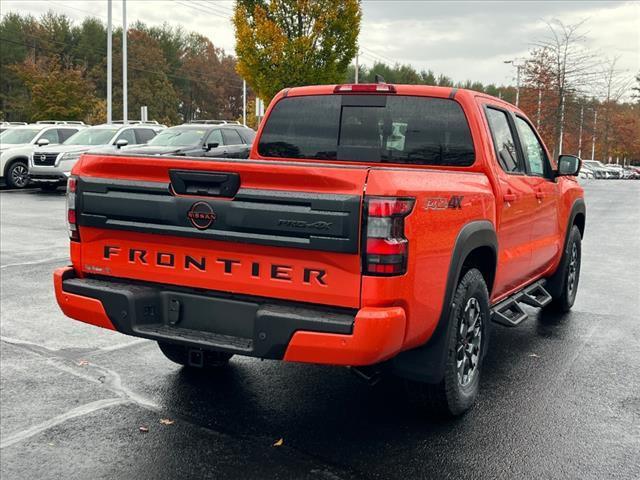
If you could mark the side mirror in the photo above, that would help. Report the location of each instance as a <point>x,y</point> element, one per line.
<point>121,143</point>
<point>211,145</point>
<point>568,165</point>
<point>42,142</point>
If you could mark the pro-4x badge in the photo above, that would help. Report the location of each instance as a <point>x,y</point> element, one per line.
<point>442,203</point>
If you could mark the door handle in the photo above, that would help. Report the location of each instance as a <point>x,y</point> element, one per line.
<point>509,197</point>
<point>539,195</point>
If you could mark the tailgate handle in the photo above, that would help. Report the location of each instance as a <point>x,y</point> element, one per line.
<point>212,184</point>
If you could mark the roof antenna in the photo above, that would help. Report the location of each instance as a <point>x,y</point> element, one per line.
<point>379,78</point>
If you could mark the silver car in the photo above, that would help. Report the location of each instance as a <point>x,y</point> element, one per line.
<point>17,144</point>
<point>50,166</point>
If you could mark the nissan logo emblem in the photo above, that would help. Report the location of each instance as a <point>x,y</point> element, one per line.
<point>201,215</point>
<point>43,158</point>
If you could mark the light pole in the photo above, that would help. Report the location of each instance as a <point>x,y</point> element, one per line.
<point>593,138</point>
<point>244,102</point>
<point>518,66</point>
<point>124,62</point>
<point>109,62</point>
<point>580,132</point>
<point>539,108</point>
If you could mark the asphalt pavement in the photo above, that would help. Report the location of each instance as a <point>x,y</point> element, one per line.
<point>560,395</point>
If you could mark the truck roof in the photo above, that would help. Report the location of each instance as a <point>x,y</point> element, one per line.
<point>399,89</point>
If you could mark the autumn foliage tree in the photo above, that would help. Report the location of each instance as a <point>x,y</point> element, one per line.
<point>287,43</point>
<point>56,91</point>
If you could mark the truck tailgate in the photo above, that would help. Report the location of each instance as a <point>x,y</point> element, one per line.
<point>275,229</point>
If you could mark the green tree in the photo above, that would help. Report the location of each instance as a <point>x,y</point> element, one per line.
<point>16,45</point>
<point>56,91</point>
<point>286,43</point>
<point>148,81</point>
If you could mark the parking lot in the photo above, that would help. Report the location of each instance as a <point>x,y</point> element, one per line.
<point>560,396</point>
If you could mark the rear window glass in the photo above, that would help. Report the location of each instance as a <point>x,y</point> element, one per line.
<point>369,128</point>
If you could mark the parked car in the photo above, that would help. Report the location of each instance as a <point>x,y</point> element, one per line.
<point>598,169</point>
<point>17,144</point>
<point>49,166</point>
<point>586,173</point>
<point>334,243</point>
<point>201,140</point>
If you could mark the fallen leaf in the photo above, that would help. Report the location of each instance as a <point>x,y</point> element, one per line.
<point>279,443</point>
<point>166,421</point>
<point>83,363</point>
<point>534,355</point>
<point>144,429</point>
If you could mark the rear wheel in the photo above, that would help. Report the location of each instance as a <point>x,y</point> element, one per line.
<point>468,336</point>
<point>18,175</point>
<point>563,286</point>
<point>194,358</point>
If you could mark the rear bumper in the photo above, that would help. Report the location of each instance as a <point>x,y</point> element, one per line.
<point>241,325</point>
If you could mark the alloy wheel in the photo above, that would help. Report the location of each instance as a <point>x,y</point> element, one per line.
<point>573,270</point>
<point>469,342</point>
<point>20,175</point>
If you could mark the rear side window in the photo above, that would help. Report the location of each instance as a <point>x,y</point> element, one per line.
<point>231,137</point>
<point>369,128</point>
<point>503,140</point>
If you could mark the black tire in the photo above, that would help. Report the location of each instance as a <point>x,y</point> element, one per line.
<point>457,392</point>
<point>180,355</point>
<point>48,187</point>
<point>18,174</point>
<point>563,285</point>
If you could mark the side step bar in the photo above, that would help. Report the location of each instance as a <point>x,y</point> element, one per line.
<point>510,313</point>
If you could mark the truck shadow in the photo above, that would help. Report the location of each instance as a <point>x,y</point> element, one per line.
<point>327,411</point>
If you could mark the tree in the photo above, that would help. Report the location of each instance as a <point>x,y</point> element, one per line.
<point>148,81</point>
<point>212,87</point>
<point>286,43</point>
<point>570,66</point>
<point>56,91</point>
<point>613,86</point>
<point>16,44</point>
<point>636,89</point>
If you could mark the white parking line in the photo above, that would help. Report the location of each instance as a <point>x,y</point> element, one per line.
<point>35,262</point>
<point>52,422</point>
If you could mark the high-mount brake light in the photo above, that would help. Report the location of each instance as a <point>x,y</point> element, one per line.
<point>385,248</point>
<point>365,88</point>
<point>72,220</point>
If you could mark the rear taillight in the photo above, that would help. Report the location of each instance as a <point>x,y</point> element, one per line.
<point>72,221</point>
<point>385,248</point>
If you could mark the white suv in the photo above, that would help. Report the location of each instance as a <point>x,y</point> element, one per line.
<point>17,144</point>
<point>50,166</point>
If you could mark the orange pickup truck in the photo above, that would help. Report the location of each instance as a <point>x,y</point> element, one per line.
<point>376,226</point>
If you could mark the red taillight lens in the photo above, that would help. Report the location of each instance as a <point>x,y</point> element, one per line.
<point>365,88</point>
<point>385,246</point>
<point>72,221</point>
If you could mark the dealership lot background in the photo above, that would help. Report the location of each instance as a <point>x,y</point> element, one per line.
<point>559,397</point>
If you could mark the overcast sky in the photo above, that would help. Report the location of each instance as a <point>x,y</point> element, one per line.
<point>464,40</point>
